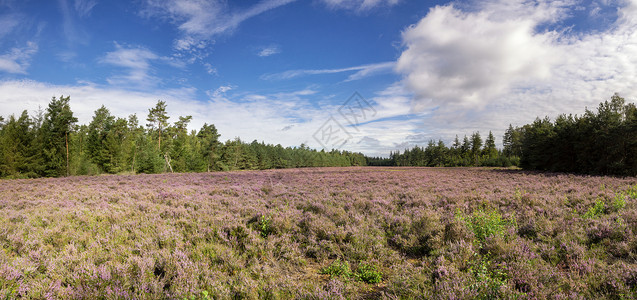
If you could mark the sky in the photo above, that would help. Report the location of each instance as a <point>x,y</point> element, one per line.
<point>370,76</point>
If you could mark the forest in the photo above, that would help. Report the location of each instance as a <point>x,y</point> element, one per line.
<point>597,143</point>
<point>52,144</point>
<point>471,152</point>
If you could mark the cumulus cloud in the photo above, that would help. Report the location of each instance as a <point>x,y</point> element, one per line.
<point>484,66</point>
<point>455,57</point>
<point>18,59</point>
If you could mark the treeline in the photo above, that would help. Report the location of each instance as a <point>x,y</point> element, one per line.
<point>602,142</point>
<point>51,144</point>
<point>472,151</point>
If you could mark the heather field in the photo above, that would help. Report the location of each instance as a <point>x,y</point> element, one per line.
<point>328,233</point>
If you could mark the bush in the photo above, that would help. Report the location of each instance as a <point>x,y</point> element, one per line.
<point>365,272</point>
<point>368,273</point>
<point>337,268</point>
<point>487,223</point>
<point>596,210</point>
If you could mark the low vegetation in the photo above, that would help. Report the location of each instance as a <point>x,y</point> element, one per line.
<point>329,233</point>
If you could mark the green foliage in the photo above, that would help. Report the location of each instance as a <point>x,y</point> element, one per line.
<point>368,273</point>
<point>364,272</point>
<point>149,160</point>
<point>632,192</point>
<point>34,147</point>
<point>597,210</point>
<point>619,201</point>
<point>485,224</point>
<point>602,142</point>
<point>203,296</point>
<point>468,153</point>
<point>56,126</point>
<point>158,119</point>
<point>488,280</point>
<point>337,268</point>
<point>265,226</point>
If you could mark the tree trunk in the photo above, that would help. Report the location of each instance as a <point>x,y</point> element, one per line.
<point>168,163</point>
<point>132,167</point>
<point>66,139</point>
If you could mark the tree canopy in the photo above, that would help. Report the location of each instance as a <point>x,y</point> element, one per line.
<point>51,144</point>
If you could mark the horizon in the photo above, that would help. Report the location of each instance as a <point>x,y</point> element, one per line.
<point>390,74</point>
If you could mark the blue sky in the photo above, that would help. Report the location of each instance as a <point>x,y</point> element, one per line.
<point>363,75</point>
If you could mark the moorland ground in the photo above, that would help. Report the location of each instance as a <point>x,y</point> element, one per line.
<point>366,232</point>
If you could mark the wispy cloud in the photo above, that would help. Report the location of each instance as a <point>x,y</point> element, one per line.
<point>210,69</point>
<point>270,50</point>
<point>361,72</point>
<point>73,33</point>
<point>138,62</point>
<point>200,21</point>
<point>7,23</point>
<point>359,5</point>
<point>17,60</point>
<point>84,7</point>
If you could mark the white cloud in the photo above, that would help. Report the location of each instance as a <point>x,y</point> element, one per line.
<point>497,63</point>
<point>289,118</point>
<point>17,60</point>
<point>87,97</point>
<point>210,69</point>
<point>454,57</point>
<point>199,21</point>
<point>84,7</point>
<point>248,116</point>
<point>73,32</point>
<point>362,71</point>
<point>8,23</point>
<point>220,91</point>
<point>359,5</point>
<point>270,50</point>
<point>138,62</point>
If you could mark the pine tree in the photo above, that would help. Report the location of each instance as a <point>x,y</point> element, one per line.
<point>57,124</point>
<point>489,147</point>
<point>476,146</point>
<point>98,131</point>
<point>158,119</point>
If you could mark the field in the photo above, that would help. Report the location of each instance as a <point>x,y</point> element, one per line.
<point>328,233</point>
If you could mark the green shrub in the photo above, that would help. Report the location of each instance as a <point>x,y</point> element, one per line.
<point>632,192</point>
<point>596,211</point>
<point>487,223</point>
<point>365,272</point>
<point>368,273</point>
<point>265,227</point>
<point>619,202</point>
<point>337,268</point>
